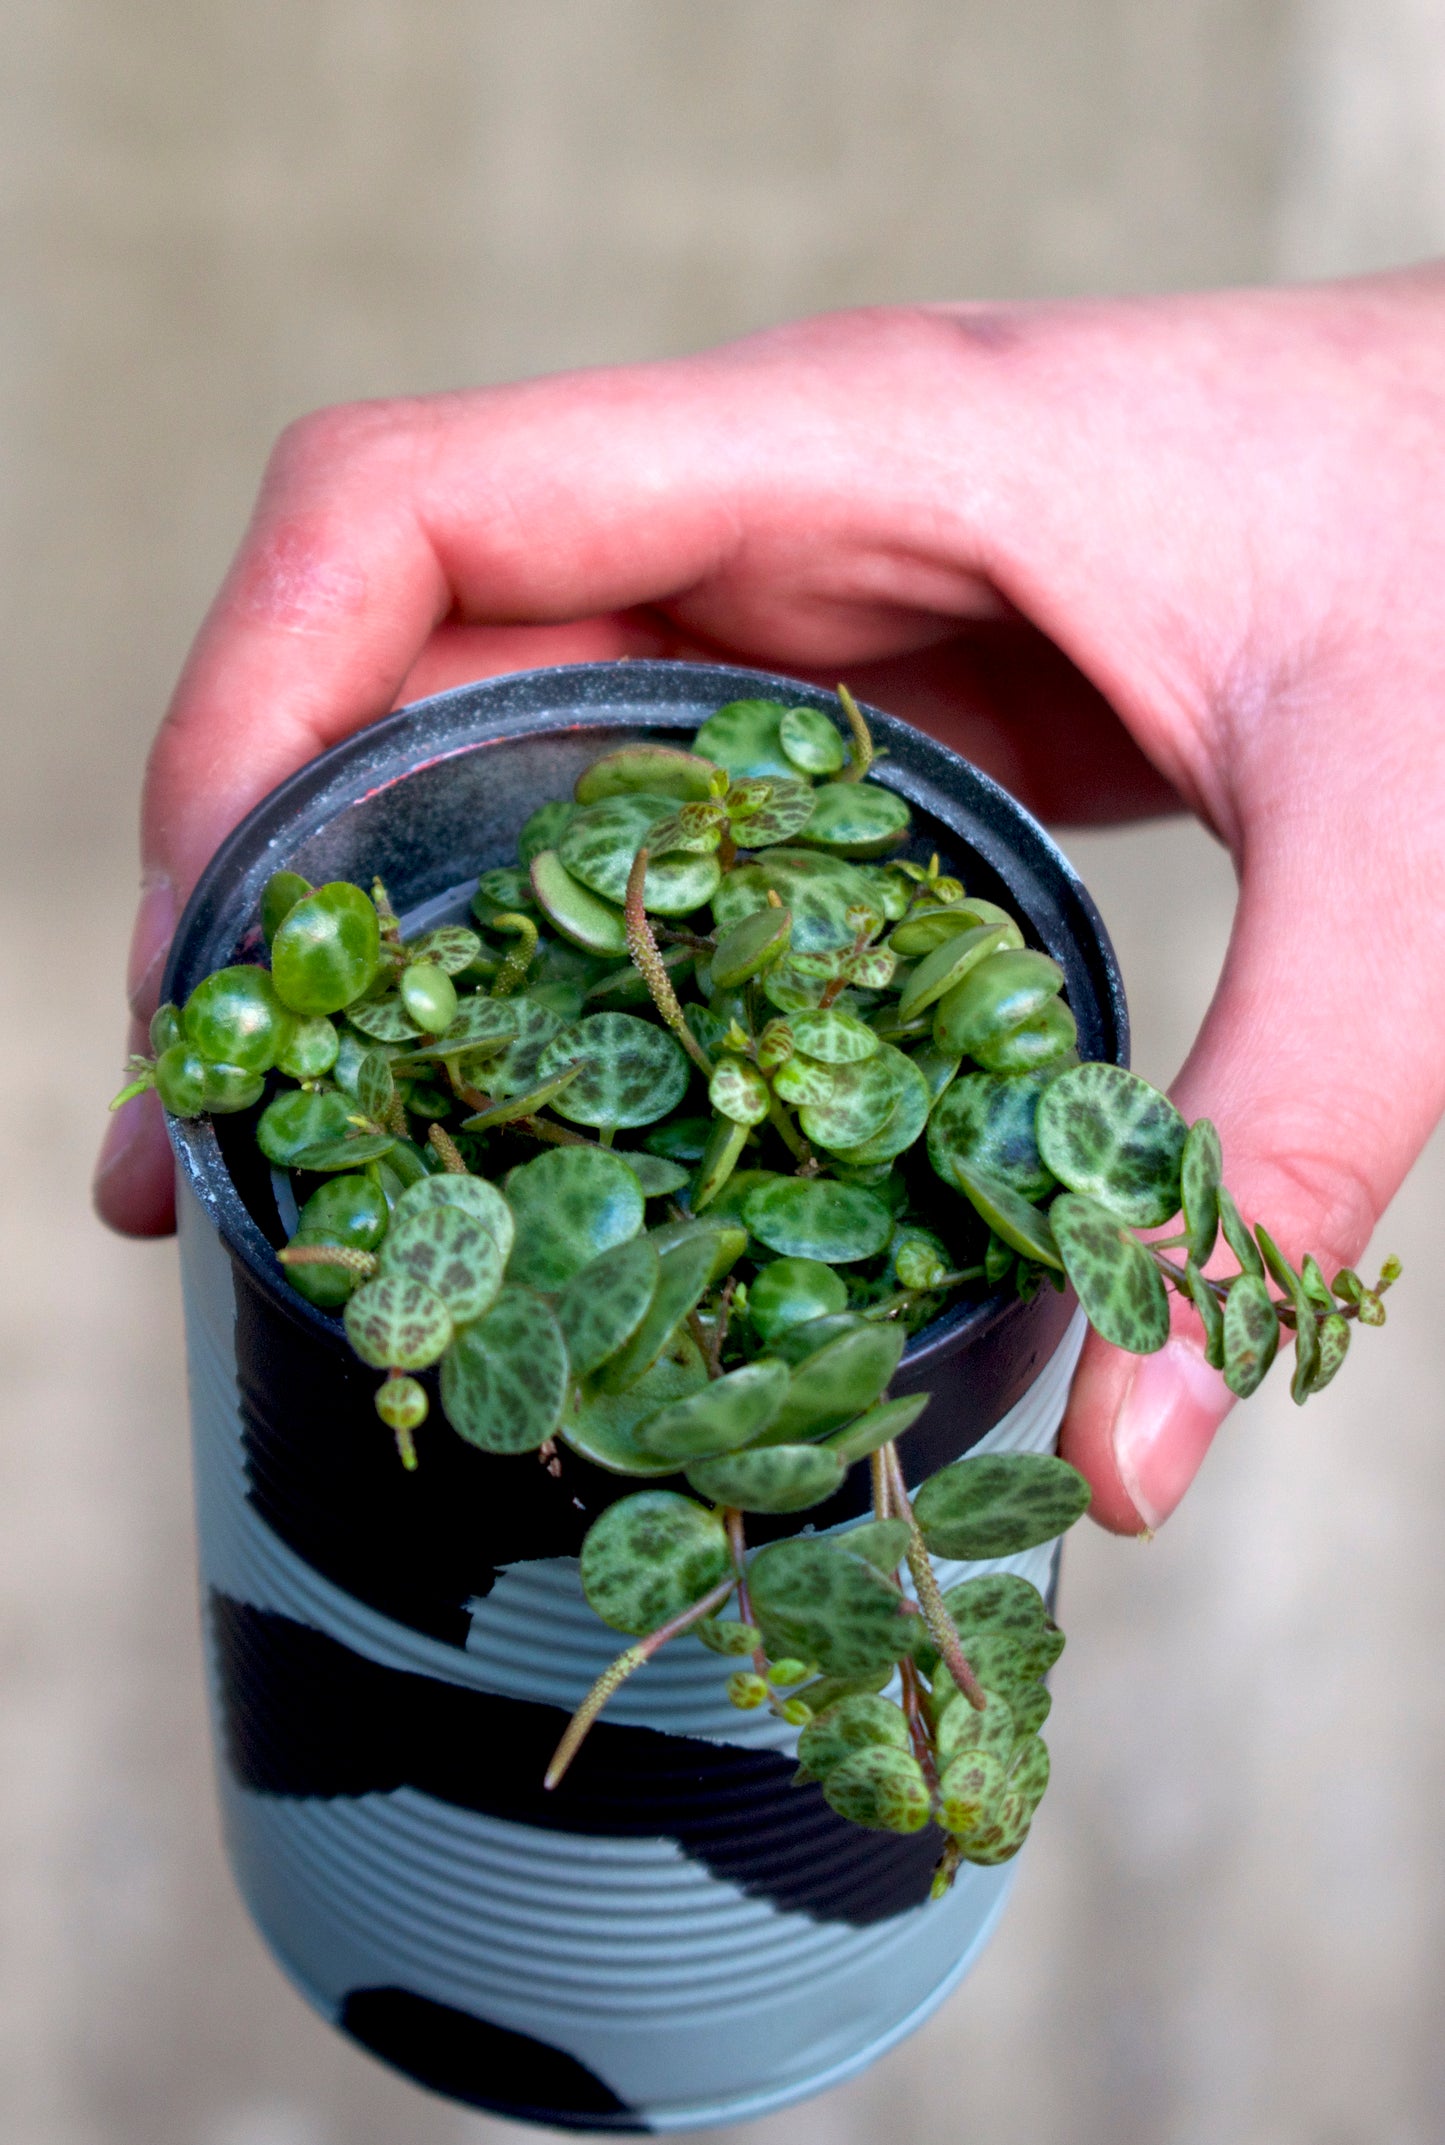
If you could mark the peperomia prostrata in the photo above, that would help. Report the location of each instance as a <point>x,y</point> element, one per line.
<point>715,986</point>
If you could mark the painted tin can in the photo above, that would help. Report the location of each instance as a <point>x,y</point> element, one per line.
<point>678,1937</point>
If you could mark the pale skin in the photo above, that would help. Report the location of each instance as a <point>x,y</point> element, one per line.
<point>1129,556</point>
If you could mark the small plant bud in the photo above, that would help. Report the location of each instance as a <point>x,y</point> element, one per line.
<point>796,1712</point>
<point>782,1673</point>
<point>746,1691</point>
<point>402,1404</point>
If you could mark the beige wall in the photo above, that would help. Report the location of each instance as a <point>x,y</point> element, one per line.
<point>1230,1929</point>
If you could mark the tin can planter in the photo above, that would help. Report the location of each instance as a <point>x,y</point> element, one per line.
<point>678,1937</point>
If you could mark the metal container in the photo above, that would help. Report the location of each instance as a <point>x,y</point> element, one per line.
<point>677,1937</point>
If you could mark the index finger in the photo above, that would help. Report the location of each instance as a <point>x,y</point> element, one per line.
<point>375,525</point>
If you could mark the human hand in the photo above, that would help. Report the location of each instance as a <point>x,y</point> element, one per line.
<point>1122,555</point>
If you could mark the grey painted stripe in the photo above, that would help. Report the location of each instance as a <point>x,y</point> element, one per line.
<point>688,2044</point>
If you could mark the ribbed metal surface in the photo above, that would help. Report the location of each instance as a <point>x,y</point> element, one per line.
<point>694,1994</point>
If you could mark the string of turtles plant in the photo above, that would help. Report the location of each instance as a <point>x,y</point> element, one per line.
<point>714,986</point>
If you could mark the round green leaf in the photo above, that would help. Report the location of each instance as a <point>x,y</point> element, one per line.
<point>998,1503</point>
<point>596,926</point>
<point>728,1413</point>
<point>969,1791</point>
<point>719,1159</point>
<point>864,1722</point>
<point>933,927</point>
<point>860,1101</point>
<point>1334,1345</point>
<point>946,964</point>
<point>984,1122</point>
<point>350,1152</point>
<point>1028,1774</point>
<point>569,1205</point>
<point>811,741</point>
<point>384,1019</point>
<point>300,1118</point>
<point>374,1087</point>
<point>649,1557</point>
<point>684,1273</point>
<point>777,1478</point>
<point>1211,1315</point>
<point>326,950</point>
<point>779,818</point>
<point>601,841</point>
<point>654,1173</point>
<point>995,996</point>
<point>501,892</point>
<point>453,1253</point>
<point>799,1080</point>
<point>965,1727</point>
<point>279,897</point>
<point>814,1218</point>
<point>745,738</point>
<point>633,1073</point>
<point>857,819</point>
<point>999,1601</point>
<point>832,1038</point>
<point>789,1292</point>
<point>504,1378</point>
<point>603,1426</point>
<point>750,946</point>
<point>903,1125</point>
<point>883,1542</point>
<point>880,1788</point>
<point>602,1307</point>
<point>816,888</point>
<point>654,770</point>
<point>728,1238</point>
<point>1105,1132</point>
<point>308,1047</point>
<point>1021,1226</point>
<point>738,1091</point>
<point>396,1323</point>
<point>1007,1664</point>
<point>470,1195</point>
<point>877,1428</point>
<point>1046,1038</point>
<point>1251,1334</point>
<point>519,1068</point>
<point>1201,1163</point>
<point>727,1636</point>
<point>839,1380</point>
<point>1117,1283</point>
<point>451,947</point>
<point>816,1602</point>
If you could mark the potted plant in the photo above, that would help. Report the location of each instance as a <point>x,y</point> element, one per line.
<point>695,1197</point>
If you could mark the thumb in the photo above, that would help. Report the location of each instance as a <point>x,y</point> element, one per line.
<point>1320,1062</point>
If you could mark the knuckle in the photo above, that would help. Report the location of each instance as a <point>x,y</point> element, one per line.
<point>333,439</point>
<point>1324,1196</point>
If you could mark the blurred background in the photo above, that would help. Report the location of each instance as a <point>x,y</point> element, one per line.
<point>1229,1927</point>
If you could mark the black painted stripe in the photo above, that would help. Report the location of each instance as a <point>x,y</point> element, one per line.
<point>303,1715</point>
<point>487,2066</point>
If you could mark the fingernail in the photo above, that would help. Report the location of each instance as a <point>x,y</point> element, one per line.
<point>150,941</point>
<point>1165,1426</point>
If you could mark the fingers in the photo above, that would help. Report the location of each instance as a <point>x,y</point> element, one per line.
<point>750,494</point>
<point>1322,1061</point>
